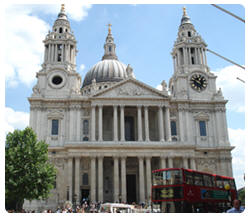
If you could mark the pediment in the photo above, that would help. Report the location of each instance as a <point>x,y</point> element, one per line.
<point>130,89</point>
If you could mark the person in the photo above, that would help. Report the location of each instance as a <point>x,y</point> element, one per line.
<point>237,208</point>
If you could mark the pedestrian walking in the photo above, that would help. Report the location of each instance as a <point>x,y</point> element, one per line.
<point>237,208</point>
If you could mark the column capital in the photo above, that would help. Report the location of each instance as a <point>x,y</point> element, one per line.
<point>100,105</point>
<point>140,157</point>
<point>139,106</point>
<point>100,157</point>
<point>115,105</point>
<point>122,106</point>
<point>115,157</point>
<point>92,156</point>
<point>93,105</point>
<point>123,157</point>
<point>148,158</point>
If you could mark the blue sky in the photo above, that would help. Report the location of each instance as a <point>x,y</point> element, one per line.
<point>144,37</point>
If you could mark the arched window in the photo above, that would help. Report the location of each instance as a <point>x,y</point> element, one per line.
<point>85,127</point>
<point>60,30</point>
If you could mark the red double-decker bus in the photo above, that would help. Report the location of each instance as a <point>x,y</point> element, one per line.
<point>177,190</point>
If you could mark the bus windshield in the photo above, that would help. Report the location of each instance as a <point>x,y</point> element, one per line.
<point>167,177</point>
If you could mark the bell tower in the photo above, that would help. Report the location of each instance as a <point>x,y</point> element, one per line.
<point>58,75</point>
<point>192,78</point>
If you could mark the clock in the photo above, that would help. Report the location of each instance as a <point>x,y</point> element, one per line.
<point>198,82</point>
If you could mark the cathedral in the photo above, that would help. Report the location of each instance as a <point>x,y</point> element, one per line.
<point>108,132</point>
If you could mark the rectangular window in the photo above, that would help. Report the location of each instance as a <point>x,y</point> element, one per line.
<point>173,128</point>
<point>55,125</point>
<point>85,127</point>
<point>85,179</point>
<point>203,131</point>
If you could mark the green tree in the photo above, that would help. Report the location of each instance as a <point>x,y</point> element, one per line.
<point>28,173</point>
<point>241,196</point>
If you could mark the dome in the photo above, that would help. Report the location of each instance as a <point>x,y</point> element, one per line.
<point>107,70</point>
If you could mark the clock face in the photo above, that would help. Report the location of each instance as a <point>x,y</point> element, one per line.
<point>198,82</point>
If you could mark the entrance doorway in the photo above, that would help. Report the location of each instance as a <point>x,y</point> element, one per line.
<point>129,128</point>
<point>131,188</point>
<point>85,194</point>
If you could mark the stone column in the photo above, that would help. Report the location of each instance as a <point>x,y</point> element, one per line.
<point>122,123</point>
<point>219,126</point>
<point>193,165</point>
<point>93,179</point>
<point>62,53</point>
<point>163,162</point>
<point>115,125</point>
<point>181,124</point>
<point>52,52</point>
<point>123,180</point>
<point>100,124</point>
<point>184,55</point>
<point>148,174</point>
<point>49,54</point>
<point>70,177</point>
<point>92,123</point>
<point>71,124</point>
<point>205,56</point>
<point>146,123</point>
<point>100,179</point>
<point>78,125</point>
<point>174,62</point>
<point>170,162</point>
<point>38,123</point>
<point>56,53</point>
<point>116,179</point>
<point>139,123</point>
<point>224,120</point>
<point>160,122</point>
<point>141,181</point>
<point>168,125</point>
<point>185,162</point>
<point>77,179</point>
<point>67,52</point>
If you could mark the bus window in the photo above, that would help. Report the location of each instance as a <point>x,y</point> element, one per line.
<point>232,184</point>
<point>198,179</point>
<point>189,177</point>
<point>219,182</point>
<point>168,177</point>
<point>208,180</point>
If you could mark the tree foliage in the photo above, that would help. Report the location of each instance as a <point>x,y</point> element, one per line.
<point>28,173</point>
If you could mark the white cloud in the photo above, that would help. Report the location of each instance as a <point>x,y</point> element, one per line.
<point>159,87</point>
<point>237,139</point>
<point>15,120</point>
<point>82,67</point>
<point>24,33</point>
<point>232,88</point>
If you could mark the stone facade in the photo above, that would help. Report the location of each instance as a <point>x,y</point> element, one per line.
<point>106,137</point>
